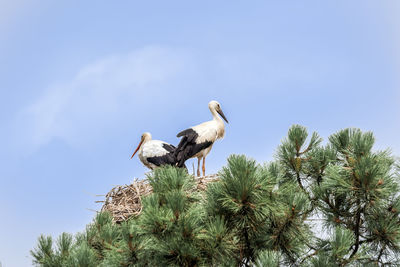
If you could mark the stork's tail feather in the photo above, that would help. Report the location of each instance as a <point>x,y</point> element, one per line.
<point>180,152</point>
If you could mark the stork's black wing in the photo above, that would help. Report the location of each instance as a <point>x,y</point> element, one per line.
<point>188,147</point>
<point>169,147</point>
<point>167,159</point>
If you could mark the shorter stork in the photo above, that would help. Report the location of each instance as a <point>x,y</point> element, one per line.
<point>198,140</point>
<point>154,153</point>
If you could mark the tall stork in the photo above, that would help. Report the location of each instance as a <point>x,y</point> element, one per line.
<point>198,140</point>
<point>154,153</point>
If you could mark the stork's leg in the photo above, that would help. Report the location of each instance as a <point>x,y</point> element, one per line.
<point>198,167</point>
<point>204,166</point>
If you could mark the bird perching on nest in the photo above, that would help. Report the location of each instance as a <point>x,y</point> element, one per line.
<point>154,153</point>
<point>198,140</point>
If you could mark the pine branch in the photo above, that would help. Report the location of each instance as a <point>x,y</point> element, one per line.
<point>381,253</point>
<point>308,256</point>
<point>357,231</point>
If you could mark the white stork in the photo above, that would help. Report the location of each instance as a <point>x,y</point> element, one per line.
<point>154,153</point>
<point>198,140</point>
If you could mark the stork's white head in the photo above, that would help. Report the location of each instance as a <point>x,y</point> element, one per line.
<point>144,138</point>
<point>214,106</point>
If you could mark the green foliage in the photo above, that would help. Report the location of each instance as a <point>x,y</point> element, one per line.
<point>336,204</point>
<point>268,258</point>
<point>341,243</point>
<point>218,242</point>
<point>44,254</point>
<point>171,220</point>
<point>241,198</point>
<point>82,256</point>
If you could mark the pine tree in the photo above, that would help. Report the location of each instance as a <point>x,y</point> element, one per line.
<point>336,204</point>
<point>262,214</point>
<point>353,189</point>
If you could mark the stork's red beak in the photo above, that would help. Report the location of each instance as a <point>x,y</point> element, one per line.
<point>141,141</point>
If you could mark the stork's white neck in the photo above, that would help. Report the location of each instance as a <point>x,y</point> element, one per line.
<point>220,123</point>
<point>215,115</point>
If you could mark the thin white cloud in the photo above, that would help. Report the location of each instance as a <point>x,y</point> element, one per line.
<point>78,110</point>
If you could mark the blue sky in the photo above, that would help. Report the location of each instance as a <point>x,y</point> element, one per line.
<point>80,81</point>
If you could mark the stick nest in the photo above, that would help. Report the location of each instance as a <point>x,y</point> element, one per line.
<point>125,201</point>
